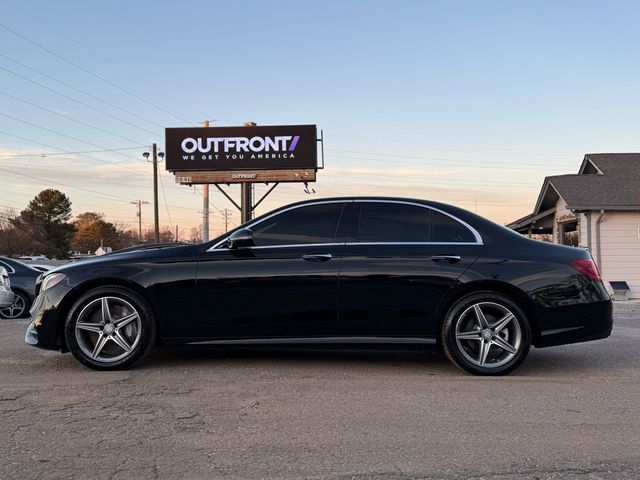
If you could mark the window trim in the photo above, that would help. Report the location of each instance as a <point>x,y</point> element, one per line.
<point>9,268</point>
<point>475,233</point>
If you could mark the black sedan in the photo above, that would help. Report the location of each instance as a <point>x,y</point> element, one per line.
<point>23,283</point>
<point>341,271</point>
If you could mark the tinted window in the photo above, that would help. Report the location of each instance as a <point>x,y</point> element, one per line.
<point>312,224</point>
<point>446,229</point>
<point>393,222</point>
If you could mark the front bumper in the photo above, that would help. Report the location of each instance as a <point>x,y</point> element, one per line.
<point>45,328</point>
<point>6,298</point>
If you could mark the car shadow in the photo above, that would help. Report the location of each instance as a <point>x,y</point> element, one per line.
<point>299,355</point>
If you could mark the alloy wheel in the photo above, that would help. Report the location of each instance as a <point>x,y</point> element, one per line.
<point>108,329</point>
<point>488,334</point>
<point>17,308</point>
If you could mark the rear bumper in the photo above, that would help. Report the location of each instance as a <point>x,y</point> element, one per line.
<point>574,323</point>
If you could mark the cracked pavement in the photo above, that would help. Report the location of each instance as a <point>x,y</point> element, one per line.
<point>570,412</point>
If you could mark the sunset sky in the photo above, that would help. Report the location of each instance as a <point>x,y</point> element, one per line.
<point>470,103</point>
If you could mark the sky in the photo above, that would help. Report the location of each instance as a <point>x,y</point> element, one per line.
<point>466,102</point>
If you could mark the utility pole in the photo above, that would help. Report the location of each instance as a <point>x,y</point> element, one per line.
<point>154,159</point>
<point>246,194</point>
<point>227,214</point>
<point>205,203</point>
<point>176,233</point>
<point>139,203</point>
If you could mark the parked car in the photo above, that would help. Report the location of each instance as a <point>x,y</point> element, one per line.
<point>34,258</point>
<point>6,295</point>
<point>340,271</point>
<point>23,283</point>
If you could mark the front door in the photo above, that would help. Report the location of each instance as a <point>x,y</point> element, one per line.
<point>284,286</point>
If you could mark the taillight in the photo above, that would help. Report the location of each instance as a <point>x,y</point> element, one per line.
<point>588,268</point>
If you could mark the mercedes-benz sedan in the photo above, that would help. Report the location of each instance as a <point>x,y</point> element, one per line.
<point>341,271</point>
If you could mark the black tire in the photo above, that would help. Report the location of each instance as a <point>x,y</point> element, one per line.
<point>85,327</point>
<point>11,313</point>
<point>483,350</point>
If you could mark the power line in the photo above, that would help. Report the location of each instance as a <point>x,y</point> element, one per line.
<point>483,164</point>
<point>95,97</point>
<point>454,147</point>
<point>165,201</point>
<point>77,101</point>
<point>453,163</point>
<point>66,152</point>
<point>58,154</point>
<point>67,136</point>
<point>96,75</point>
<point>27,102</point>
<point>97,53</point>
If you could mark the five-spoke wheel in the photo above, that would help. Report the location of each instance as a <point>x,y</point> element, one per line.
<point>18,308</point>
<point>109,327</point>
<point>486,334</point>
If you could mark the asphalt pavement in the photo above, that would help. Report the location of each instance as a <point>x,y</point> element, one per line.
<point>570,412</point>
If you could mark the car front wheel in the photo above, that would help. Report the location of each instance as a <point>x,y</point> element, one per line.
<point>486,334</point>
<point>110,328</point>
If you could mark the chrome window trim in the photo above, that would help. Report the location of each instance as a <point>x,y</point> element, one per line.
<point>475,233</point>
<point>320,202</point>
<point>356,200</point>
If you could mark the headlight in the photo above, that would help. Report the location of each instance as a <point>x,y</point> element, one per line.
<point>51,281</point>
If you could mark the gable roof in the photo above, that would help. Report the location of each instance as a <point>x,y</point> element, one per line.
<point>606,181</point>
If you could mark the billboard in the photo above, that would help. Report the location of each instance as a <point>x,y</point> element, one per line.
<point>203,151</point>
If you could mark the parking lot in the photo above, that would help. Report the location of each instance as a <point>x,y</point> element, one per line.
<point>569,412</point>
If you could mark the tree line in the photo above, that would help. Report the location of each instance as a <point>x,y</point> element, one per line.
<point>46,227</point>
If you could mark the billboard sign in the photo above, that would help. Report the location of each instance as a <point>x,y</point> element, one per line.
<point>236,149</point>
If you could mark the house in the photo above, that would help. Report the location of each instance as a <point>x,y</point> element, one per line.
<point>103,250</point>
<point>598,208</point>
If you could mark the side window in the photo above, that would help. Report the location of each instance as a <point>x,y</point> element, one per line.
<point>447,229</point>
<point>393,222</point>
<point>312,224</point>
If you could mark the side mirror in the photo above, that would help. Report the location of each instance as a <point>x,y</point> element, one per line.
<point>241,238</point>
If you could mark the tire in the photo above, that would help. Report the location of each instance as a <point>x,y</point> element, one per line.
<point>493,341</point>
<point>20,307</point>
<point>110,328</point>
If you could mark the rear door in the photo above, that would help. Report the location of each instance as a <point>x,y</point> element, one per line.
<point>398,262</point>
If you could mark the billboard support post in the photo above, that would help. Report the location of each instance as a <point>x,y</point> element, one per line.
<point>205,203</point>
<point>246,191</point>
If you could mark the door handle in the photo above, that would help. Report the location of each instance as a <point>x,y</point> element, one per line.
<point>446,258</point>
<point>317,257</point>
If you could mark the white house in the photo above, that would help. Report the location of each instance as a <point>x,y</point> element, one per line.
<point>598,208</point>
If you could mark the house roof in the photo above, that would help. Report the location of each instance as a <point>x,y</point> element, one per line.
<point>607,181</point>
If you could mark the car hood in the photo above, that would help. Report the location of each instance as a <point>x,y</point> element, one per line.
<point>145,253</point>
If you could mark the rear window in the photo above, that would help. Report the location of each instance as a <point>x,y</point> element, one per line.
<point>381,222</point>
<point>448,230</point>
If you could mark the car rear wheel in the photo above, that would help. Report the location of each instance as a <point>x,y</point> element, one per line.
<point>18,308</point>
<point>486,334</point>
<point>110,328</point>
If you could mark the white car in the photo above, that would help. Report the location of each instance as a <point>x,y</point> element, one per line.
<point>6,295</point>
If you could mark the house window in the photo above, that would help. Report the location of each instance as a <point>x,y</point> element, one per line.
<point>569,233</point>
